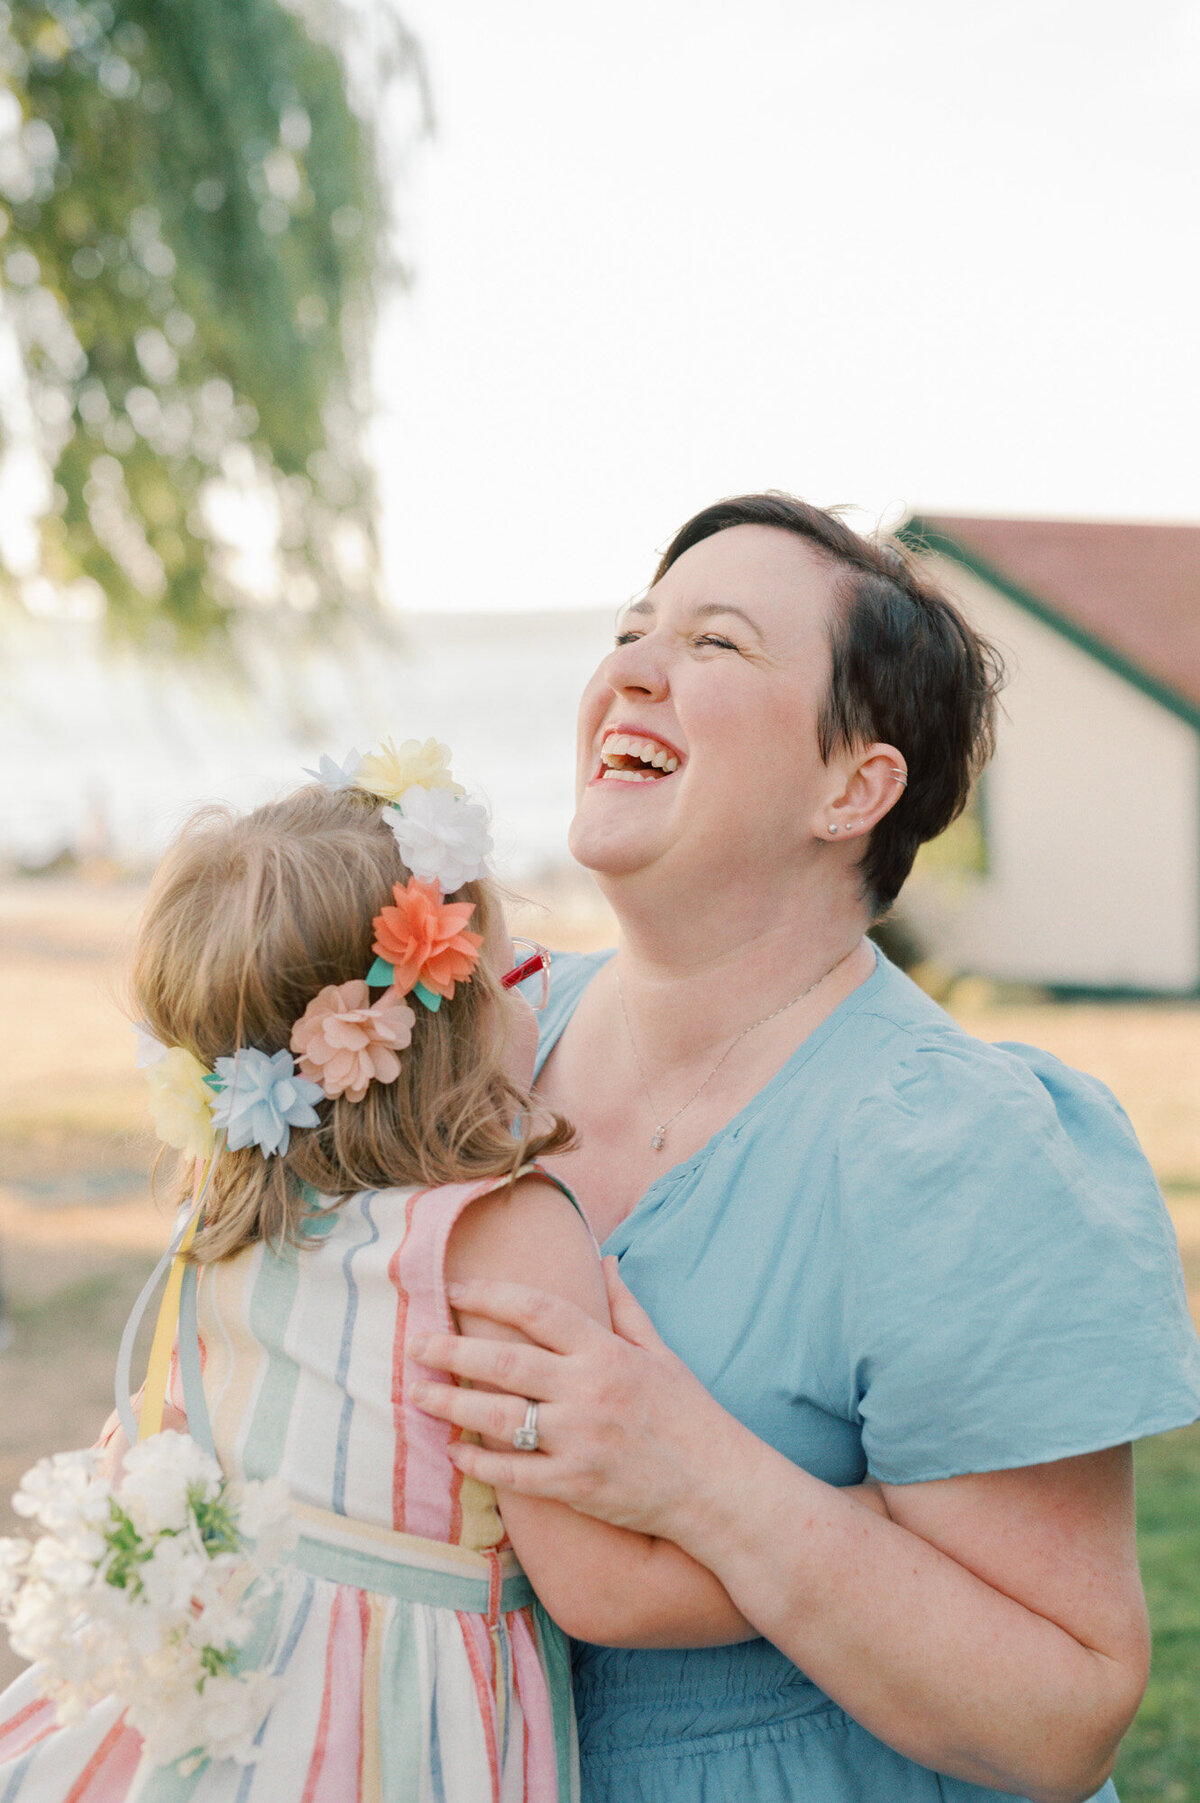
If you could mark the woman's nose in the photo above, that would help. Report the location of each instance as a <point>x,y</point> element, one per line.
<point>638,668</point>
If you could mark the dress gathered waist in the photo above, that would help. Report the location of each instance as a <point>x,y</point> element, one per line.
<point>388,1563</point>
<point>628,1699</point>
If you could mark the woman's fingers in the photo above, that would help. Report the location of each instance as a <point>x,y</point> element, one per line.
<point>524,1371</point>
<point>528,1473</point>
<point>548,1320</point>
<point>476,1411</point>
<point>629,1318</point>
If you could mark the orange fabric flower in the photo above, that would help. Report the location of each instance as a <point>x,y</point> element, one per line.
<point>422,938</point>
<point>345,1043</point>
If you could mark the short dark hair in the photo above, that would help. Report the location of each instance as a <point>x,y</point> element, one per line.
<point>906,668</point>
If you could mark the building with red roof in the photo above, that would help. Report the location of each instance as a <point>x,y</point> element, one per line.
<point>1089,816</point>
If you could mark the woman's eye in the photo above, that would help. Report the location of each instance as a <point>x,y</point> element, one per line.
<point>627,638</point>
<point>714,638</point>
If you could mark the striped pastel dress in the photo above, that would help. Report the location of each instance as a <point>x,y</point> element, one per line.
<point>417,1666</point>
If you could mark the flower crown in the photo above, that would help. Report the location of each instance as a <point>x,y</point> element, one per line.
<point>343,1041</point>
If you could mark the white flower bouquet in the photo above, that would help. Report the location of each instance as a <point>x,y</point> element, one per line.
<point>142,1591</point>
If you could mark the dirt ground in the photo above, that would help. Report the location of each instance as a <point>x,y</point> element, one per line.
<point>79,1230</point>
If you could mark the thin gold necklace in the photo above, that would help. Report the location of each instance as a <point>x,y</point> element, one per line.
<point>660,1128</point>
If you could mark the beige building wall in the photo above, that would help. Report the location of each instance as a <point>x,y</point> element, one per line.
<point>1093,818</point>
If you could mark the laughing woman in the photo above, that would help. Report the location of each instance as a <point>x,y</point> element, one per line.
<point>869,1244</point>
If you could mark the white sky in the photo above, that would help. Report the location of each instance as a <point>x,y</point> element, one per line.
<point>891,252</point>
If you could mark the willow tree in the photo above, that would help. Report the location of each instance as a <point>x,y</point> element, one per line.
<point>193,232</point>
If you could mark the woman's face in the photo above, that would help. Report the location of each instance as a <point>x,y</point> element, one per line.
<point>697,734</point>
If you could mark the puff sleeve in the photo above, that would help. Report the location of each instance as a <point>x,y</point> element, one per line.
<point>1012,1290</point>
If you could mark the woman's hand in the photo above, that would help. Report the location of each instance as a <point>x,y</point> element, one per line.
<point>626,1432</point>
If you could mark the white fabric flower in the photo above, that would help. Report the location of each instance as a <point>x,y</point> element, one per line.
<point>442,839</point>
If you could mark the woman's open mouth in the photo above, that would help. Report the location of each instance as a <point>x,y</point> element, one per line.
<point>633,758</point>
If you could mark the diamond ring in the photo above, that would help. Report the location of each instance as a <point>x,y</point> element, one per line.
<point>526,1437</point>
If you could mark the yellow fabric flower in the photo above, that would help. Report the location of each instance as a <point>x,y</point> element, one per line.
<point>389,771</point>
<point>179,1103</point>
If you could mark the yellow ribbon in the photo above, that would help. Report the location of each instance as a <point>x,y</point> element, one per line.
<point>158,1369</point>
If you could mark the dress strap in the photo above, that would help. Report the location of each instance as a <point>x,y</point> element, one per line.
<point>539,1170</point>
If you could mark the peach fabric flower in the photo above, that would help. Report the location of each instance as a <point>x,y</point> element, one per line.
<point>345,1043</point>
<point>424,941</point>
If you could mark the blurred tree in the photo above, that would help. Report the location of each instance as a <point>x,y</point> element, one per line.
<point>192,233</point>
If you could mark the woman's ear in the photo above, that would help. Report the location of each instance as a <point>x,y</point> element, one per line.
<point>874,780</point>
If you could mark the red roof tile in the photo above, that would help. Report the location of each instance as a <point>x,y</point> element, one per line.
<point>1136,588</point>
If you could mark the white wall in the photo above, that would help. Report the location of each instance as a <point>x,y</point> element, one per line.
<point>1093,812</point>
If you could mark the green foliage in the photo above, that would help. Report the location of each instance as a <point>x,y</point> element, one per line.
<point>1160,1760</point>
<point>960,855</point>
<point>191,239</point>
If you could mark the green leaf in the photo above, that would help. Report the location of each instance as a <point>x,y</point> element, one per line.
<point>199,251</point>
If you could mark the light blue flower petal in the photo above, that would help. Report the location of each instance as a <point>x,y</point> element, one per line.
<point>337,776</point>
<point>263,1097</point>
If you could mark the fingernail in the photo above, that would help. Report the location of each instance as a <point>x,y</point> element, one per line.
<point>418,1346</point>
<point>419,1392</point>
<point>456,1290</point>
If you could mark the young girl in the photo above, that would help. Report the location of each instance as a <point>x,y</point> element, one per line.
<point>367,1055</point>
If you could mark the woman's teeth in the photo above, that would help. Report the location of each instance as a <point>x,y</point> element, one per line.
<point>645,752</point>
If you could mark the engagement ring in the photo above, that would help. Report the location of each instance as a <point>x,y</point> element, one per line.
<point>526,1437</point>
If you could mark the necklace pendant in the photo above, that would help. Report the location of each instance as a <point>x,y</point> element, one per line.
<point>656,1144</point>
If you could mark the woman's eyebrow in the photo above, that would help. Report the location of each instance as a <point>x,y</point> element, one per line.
<point>707,608</point>
<point>704,610</point>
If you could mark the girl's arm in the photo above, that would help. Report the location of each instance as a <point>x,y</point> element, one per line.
<point>604,1584</point>
<point>994,1630</point>
<point>609,1585</point>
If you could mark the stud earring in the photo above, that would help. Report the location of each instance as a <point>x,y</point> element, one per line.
<point>833,826</point>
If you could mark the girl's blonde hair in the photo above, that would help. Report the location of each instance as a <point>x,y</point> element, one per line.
<point>248,918</point>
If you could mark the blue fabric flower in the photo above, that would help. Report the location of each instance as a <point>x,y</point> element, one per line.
<point>261,1099</point>
<point>334,775</point>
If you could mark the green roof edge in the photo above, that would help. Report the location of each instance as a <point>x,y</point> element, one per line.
<point>920,535</point>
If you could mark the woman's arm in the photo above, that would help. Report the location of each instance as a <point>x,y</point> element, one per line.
<point>605,1584</point>
<point>994,1630</point>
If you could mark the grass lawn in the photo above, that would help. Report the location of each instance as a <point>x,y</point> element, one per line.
<point>1160,1761</point>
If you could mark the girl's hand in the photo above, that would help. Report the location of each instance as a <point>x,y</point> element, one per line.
<point>625,1432</point>
<point>113,1444</point>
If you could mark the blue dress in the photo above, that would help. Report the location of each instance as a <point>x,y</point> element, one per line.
<point>911,1254</point>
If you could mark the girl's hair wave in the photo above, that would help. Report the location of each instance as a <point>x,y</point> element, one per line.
<point>247,919</point>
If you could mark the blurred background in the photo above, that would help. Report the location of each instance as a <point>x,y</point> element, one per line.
<point>357,359</point>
